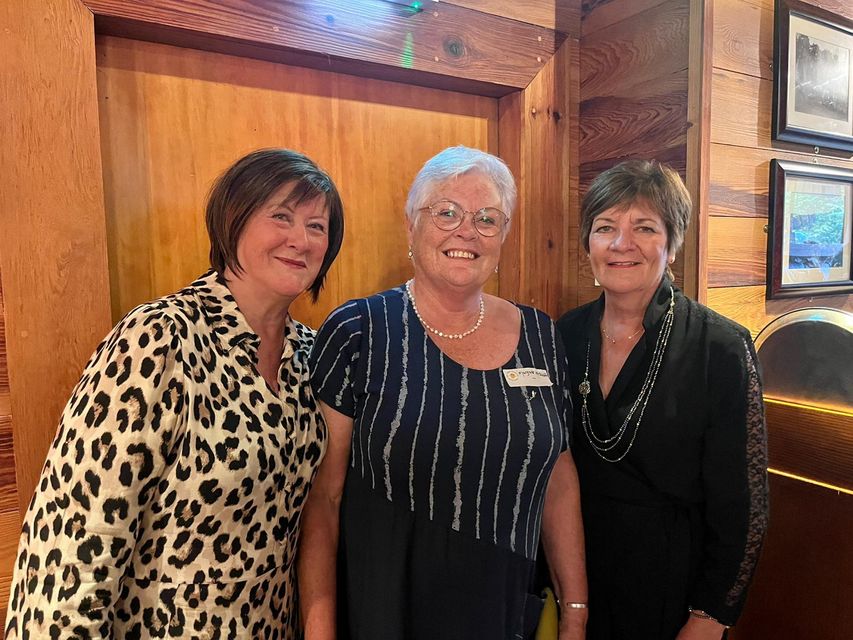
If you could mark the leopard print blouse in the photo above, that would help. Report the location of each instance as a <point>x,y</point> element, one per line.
<point>169,503</point>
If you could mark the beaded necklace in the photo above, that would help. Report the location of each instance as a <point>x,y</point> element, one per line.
<point>441,334</point>
<point>603,446</point>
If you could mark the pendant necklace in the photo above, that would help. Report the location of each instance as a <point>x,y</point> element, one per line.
<point>604,446</point>
<point>441,334</point>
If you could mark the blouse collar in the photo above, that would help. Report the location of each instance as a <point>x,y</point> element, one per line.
<point>228,323</point>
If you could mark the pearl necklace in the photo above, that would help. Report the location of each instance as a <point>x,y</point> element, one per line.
<point>603,446</point>
<point>441,334</point>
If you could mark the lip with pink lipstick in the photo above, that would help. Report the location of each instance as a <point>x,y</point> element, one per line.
<point>292,262</point>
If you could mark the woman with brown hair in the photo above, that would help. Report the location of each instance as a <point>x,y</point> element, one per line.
<point>669,429</point>
<point>170,502</point>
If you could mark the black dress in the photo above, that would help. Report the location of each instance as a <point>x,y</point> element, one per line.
<point>679,521</point>
<point>444,495</point>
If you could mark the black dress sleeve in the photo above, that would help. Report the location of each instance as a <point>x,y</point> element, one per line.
<point>734,472</point>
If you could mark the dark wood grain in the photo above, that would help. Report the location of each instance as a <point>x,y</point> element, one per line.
<point>441,43</point>
<point>639,126</point>
<point>631,53</point>
<point>803,583</point>
<point>600,14</point>
<point>811,442</point>
<point>675,156</point>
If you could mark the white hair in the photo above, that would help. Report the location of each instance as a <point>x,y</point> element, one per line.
<point>454,162</point>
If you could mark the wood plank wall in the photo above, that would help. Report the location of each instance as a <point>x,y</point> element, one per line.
<point>161,157</point>
<point>740,154</point>
<point>53,259</point>
<point>9,512</point>
<point>633,92</point>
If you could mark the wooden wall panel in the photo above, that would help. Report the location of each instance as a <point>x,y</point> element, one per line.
<point>737,255</point>
<point>748,305</point>
<point>743,34</point>
<point>633,92</point>
<point>173,118</point>
<point>560,15</point>
<point>52,239</point>
<point>10,520</point>
<point>803,583</point>
<point>740,178</point>
<point>740,113</point>
<point>538,138</point>
<point>632,52</point>
<point>439,45</point>
<point>741,150</point>
<point>823,452</point>
<point>600,14</point>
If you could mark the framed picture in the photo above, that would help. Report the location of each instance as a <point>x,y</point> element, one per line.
<point>812,76</point>
<point>809,232</point>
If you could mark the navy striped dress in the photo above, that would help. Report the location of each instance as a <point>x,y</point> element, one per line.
<point>444,495</point>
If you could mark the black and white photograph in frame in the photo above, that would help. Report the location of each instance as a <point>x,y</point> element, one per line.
<point>813,76</point>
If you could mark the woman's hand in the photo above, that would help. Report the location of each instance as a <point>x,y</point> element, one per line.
<point>700,629</point>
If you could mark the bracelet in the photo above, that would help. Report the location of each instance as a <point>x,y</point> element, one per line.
<point>575,605</point>
<point>702,615</point>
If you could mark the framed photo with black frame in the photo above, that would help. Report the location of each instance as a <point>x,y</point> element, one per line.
<point>812,76</point>
<point>809,231</point>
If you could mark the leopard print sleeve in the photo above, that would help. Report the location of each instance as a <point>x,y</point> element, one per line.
<point>115,435</point>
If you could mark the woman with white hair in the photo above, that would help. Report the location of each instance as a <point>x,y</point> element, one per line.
<point>448,439</point>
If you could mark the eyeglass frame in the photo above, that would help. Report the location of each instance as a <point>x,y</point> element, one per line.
<point>464,212</point>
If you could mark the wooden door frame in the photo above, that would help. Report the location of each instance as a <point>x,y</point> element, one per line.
<point>53,246</point>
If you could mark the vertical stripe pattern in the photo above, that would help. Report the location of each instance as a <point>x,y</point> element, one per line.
<point>461,446</point>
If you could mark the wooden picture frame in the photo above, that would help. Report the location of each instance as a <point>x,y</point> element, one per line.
<point>809,232</point>
<point>812,76</point>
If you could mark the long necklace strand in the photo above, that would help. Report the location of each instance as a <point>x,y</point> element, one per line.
<point>441,334</point>
<point>602,446</point>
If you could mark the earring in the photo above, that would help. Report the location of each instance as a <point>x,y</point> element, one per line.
<point>410,253</point>
<point>496,268</point>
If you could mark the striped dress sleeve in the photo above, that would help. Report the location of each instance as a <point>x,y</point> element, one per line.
<point>335,356</point>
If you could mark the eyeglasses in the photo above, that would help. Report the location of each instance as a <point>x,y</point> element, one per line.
<point>448,215</point>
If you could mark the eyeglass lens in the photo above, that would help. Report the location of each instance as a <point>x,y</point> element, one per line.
<point>448,215</point>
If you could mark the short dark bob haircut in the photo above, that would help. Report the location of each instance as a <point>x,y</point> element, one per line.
<point>248,184</point>
<point>640,181</point>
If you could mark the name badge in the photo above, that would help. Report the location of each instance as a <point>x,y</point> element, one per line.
<point>527,377</point>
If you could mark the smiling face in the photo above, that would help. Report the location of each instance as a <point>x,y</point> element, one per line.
<point>460,258</point>
<point>628,249</point>
<point>282,246</point>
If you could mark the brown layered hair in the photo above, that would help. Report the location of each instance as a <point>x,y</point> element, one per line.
<point>248,184</point>
<point>642,182</point>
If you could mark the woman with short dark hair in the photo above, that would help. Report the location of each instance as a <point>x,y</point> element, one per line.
<point>170,502</point>
<point>669,431</point>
